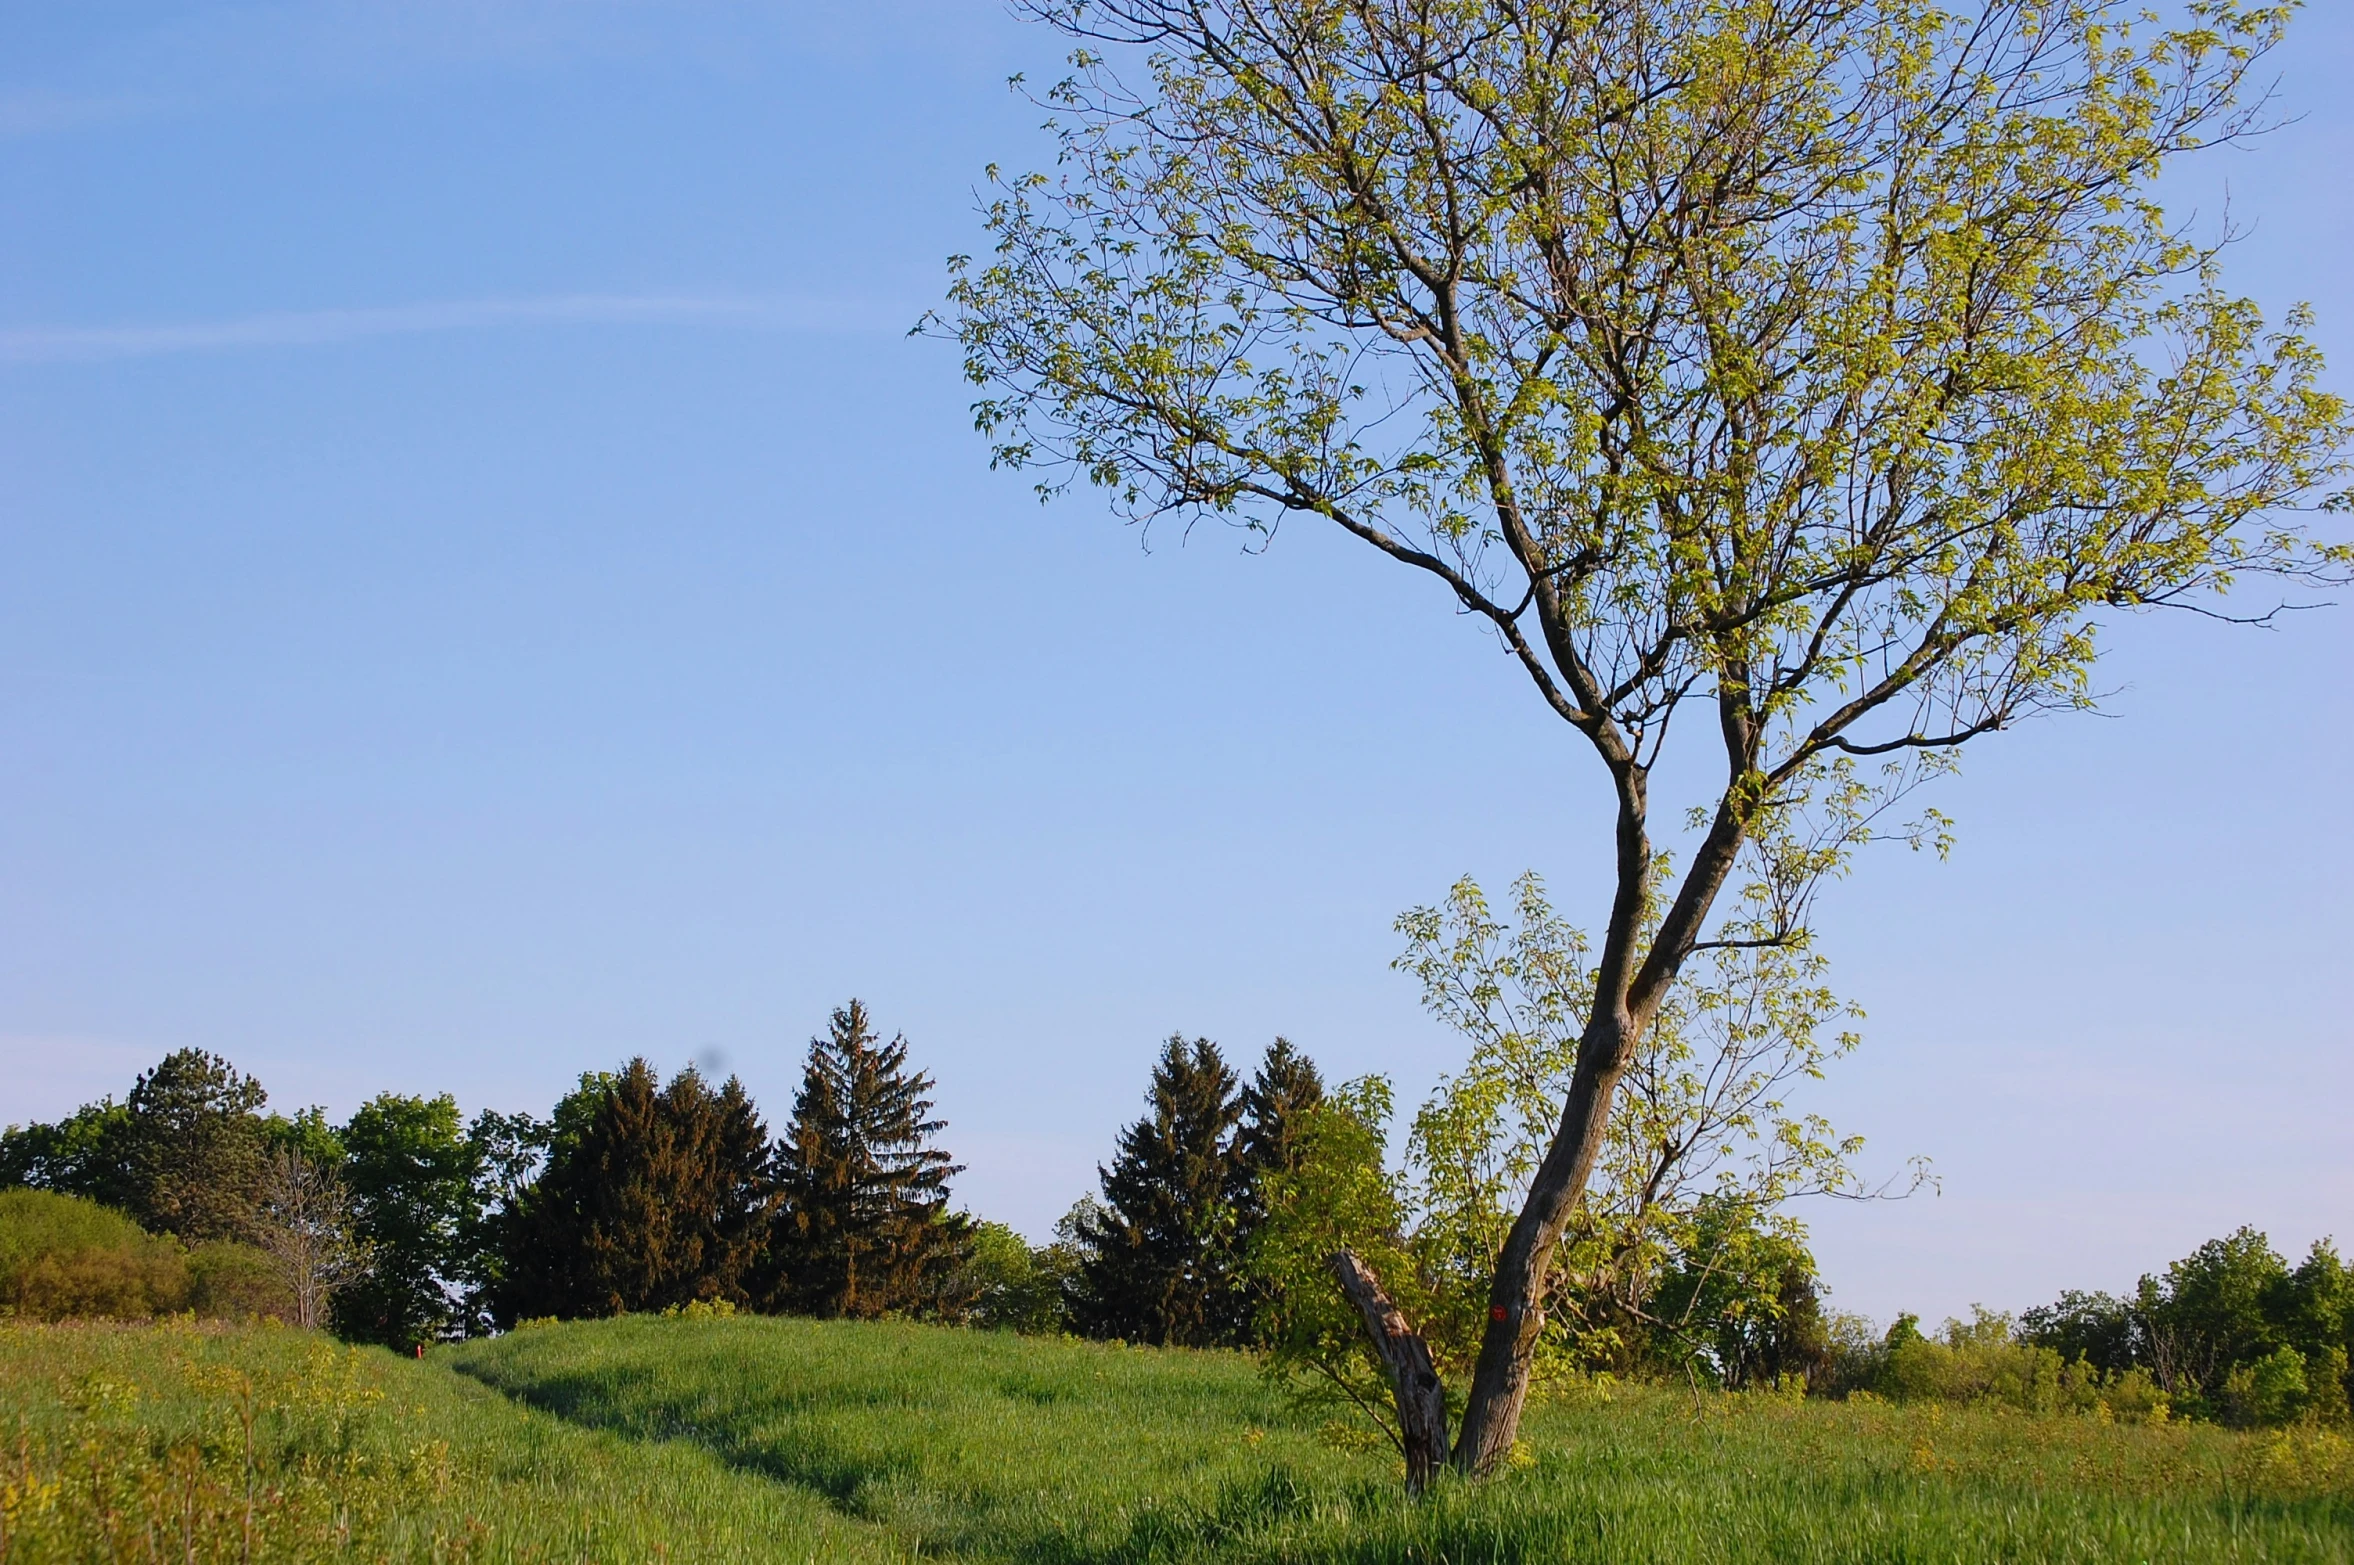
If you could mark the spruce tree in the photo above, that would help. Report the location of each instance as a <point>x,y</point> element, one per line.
<point>1286,1086</point>
<point>862,1225</point>
<point>1266,1145</point>
<point>653,1196</point>
<point>1158,1264</point>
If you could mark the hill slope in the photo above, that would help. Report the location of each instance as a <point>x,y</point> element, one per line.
<point>762,1439</point>
<point>1002,1448</point>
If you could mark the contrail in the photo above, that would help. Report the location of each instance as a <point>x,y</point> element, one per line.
<point>307,328</point>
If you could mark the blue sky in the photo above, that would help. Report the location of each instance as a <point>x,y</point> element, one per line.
<point>489,588</point>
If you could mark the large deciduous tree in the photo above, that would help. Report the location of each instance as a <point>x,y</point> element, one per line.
<point>411,1175</point>
<point>1821,371</point>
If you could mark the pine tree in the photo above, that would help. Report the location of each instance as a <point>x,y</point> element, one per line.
<point>863,1227</point>
<point>1266,1146</point>
<point>653,1196</point>
<point>1158,1265</point>
<point>191,1146</point>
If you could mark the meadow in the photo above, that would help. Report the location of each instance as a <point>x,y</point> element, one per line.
<point>748,1438</point>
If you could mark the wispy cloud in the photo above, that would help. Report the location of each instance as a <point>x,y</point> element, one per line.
<point>37,111</point>
<point>102,69</point>
<point>312,328</point>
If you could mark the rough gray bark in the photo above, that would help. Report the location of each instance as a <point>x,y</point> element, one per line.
<point>1414,1379</point>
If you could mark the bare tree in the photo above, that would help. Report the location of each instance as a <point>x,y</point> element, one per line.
<point>303,1222</point>
<point>1823,369</point>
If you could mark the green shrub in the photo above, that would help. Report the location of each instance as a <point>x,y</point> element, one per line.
<point>1983,1361</point>
<point>232,1281</point>
<point>65,1258</point>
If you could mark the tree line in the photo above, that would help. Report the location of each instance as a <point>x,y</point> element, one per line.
<point>1215,1223</point>
<point>408,1223</point>
<point>632,1194</point>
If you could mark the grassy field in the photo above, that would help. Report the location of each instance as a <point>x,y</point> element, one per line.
<point>760,1439</point>
<point>214,1443</point>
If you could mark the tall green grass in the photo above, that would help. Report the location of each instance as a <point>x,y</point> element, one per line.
<point>1002,1448</point>
<point>780,1440</point>
<point>199,1442</point>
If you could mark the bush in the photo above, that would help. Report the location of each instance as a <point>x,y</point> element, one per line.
<point>1983,1360</point>
<point>231,1281</point>
<point>1012,1286</point>
<point>65,1258</point>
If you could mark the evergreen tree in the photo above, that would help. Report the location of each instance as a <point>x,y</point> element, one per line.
<point>653,1196</point>
<point>1274,1109</point>
<point>863,1226</point>
<point>1267,1146</point>
<point>1159,1264</point>
<point>191,1148</point>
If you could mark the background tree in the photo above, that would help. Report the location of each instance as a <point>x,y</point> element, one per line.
<point>1010,1284</point>
<point>1283,1092</point>
<point>1824,366</point>
<point>1159,1263</point>
<point>193,1148</point>
<point>652,1196</point>
<point>301,1218</point>
<point>507,1153</point>
<point>1740,1301</point>
<point>411,1174</point>
<point>85,1154</point>
<point>863,1226</point>
<point>2095,1328</point>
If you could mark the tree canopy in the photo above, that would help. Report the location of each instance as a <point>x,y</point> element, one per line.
<point>1823,372</point>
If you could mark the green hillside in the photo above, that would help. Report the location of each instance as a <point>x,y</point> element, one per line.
<point>201,1442</point>
<point>780,1439</point>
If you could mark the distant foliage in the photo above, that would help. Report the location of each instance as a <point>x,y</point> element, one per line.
<point>2230,1332</point>
<point>410,1172</point>
<point>1009,1285</point>
<point>82,1154</point>
<point>652,1196</point>
<point>67,1258</point>
<point>1162,1257</point>
<point>863,1227</point>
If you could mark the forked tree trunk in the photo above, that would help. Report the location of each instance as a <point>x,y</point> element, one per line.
<point>1507,1349</point>
<point>1414,1379</point>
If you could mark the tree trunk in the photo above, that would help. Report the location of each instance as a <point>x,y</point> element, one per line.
<point>1414,1379</point>
<point>1499,1383</point>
